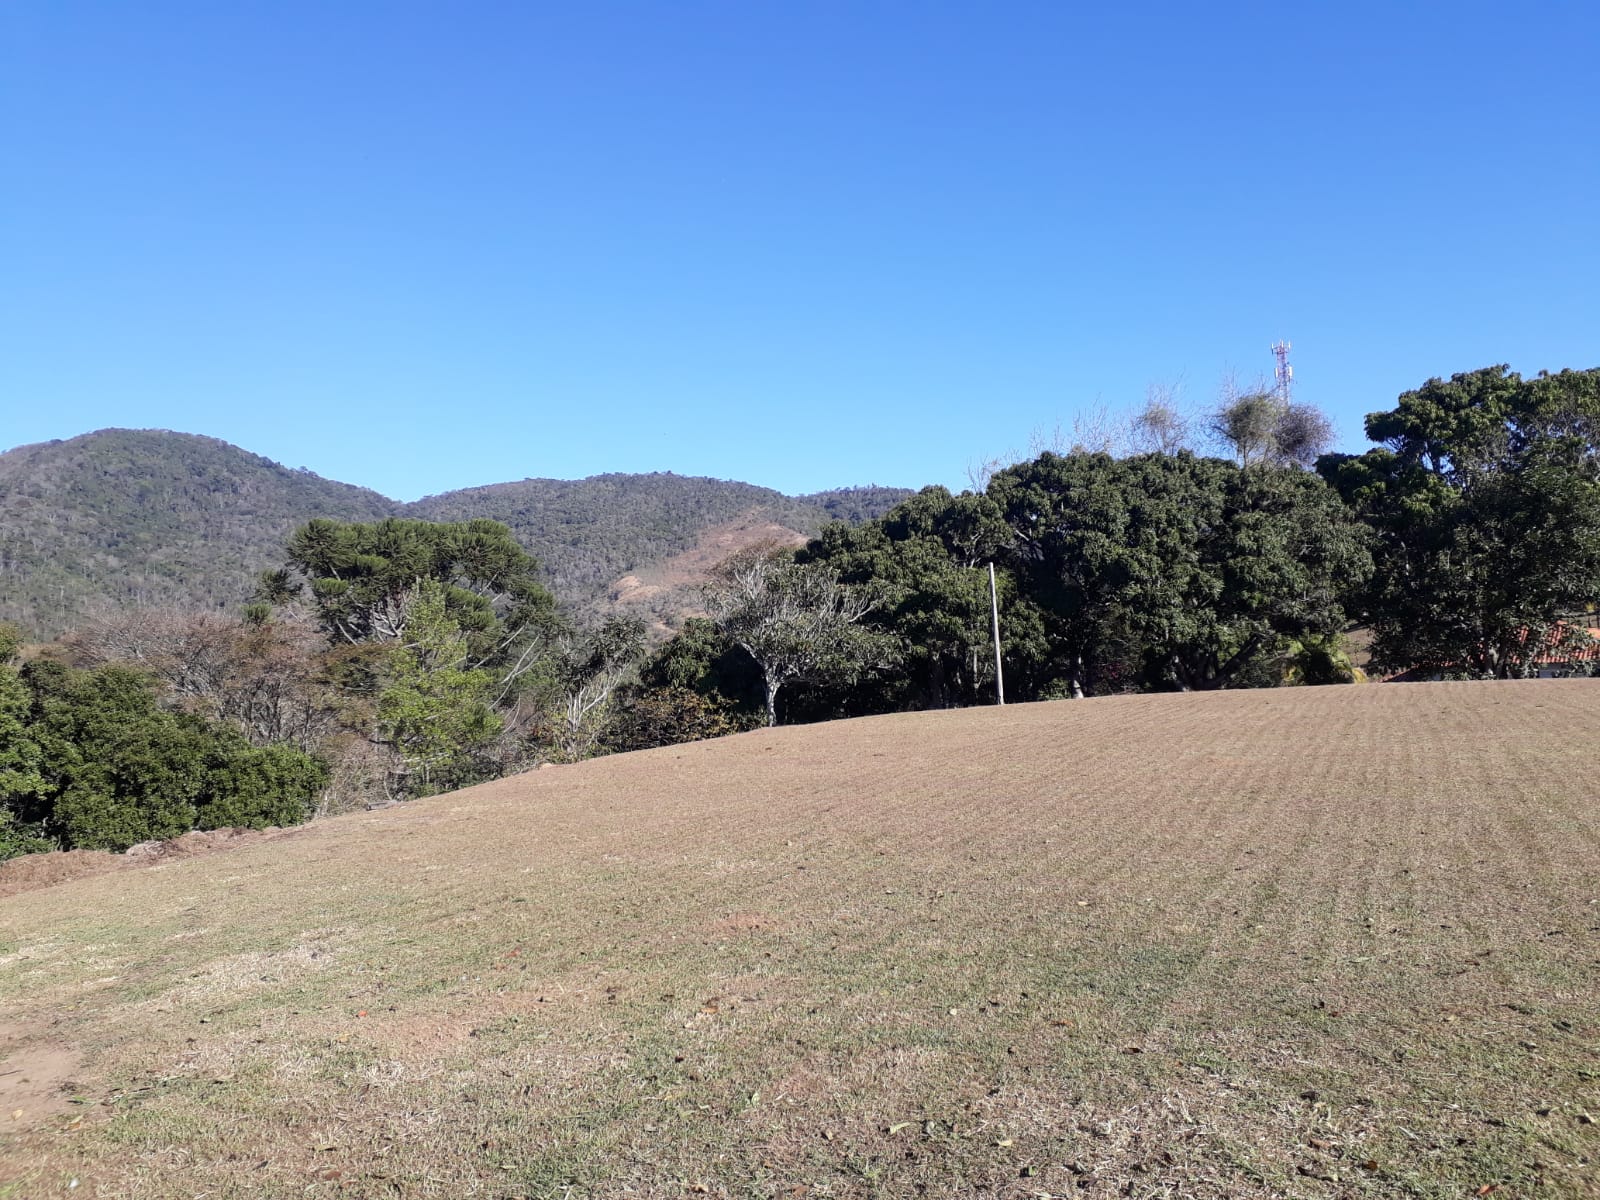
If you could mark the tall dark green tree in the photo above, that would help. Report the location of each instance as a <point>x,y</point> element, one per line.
<point>361,578</point>
<point>1072,549</point>
<point>927,559</point>
<point>1174,570</point>
<point>700,659</point>
<point>22,783</point>
<point>433,711</point>
<point>1485,495</point>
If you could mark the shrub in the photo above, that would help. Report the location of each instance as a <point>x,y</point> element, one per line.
<point>255,787</point>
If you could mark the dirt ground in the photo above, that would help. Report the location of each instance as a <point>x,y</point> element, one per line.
<point>1321,943</point>
<point>35,1078</point>
<point>46,870</point>
<point>669,590</point>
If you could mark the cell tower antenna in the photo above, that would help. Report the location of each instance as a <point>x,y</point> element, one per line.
<point>1284,372</point>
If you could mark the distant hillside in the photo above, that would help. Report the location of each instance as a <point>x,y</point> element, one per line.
<point>134,517</point>
<point>589,532</point>
<point>137,516</point>
<point>854,505</point>
<point>672,588</point>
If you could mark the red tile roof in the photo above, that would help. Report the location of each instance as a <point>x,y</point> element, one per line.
<point>1550,654</point>
<point>1553,653</point>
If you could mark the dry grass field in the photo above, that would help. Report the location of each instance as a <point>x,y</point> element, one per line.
<point>1336,942</point>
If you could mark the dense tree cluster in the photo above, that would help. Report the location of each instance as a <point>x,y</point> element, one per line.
<point>1173,571</point>
<point>1468,543</point>
<point>1155,571</point>
<point>1484,493</point>
<point>90,759</point>
<point>384,660</point>
<point>444,651</point>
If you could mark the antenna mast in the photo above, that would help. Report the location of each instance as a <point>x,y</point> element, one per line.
<point>1284,372</point>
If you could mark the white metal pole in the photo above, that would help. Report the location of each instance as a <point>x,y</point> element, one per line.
<point>994,612</point>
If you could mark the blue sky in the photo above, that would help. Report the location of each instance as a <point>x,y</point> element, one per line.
<point>425,246</point>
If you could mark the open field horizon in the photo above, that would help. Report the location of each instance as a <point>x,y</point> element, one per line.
<point>1316,942</point>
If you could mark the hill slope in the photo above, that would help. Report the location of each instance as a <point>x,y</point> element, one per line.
<point>143,516</point>
<point>124,517</point>
<point>589,532</point>
<point>1311,943</point>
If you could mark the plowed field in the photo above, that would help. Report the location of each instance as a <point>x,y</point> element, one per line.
<point>1315,942</point>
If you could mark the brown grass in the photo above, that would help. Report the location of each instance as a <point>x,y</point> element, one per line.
<point>1330,943</point>
<point>33,871</point>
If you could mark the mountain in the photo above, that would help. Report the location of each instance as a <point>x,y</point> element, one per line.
<point>592,534</point>
<point>139,516</point>
<point>135,517</point>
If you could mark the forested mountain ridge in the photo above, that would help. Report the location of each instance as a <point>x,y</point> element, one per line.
<point>133,516</point>
<point>126,517</point>
<point>588,532</point>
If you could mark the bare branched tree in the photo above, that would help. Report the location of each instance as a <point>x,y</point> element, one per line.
<point>981,471</point>
<point>1161,426</point>
<point>1247,426</point>
<point>1254,425</point>
<point>260,677</point>
<point>593,666</point>
<point>798,622</point>
<point>1303,433</point>
<point>1098,429</point>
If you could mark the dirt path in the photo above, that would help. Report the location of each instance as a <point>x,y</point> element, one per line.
<point>36,1078</point>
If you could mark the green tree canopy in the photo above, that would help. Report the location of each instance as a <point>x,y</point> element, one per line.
<point>1191,572</point>
<point>434,708</point>
<point>361,579</point>
<point>702,660</point>
<point>22,782</point>
<point>1485,496</point>
<point>796,620</point>
<point>1154,571</point>
<point>926,560</point>
<point>92,761</point>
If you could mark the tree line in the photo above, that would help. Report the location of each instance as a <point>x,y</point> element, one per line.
<point>1466,544</point>
<point>390,659</point>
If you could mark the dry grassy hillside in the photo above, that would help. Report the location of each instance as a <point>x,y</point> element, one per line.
<point>1336,942</point>
<point>673,587</point>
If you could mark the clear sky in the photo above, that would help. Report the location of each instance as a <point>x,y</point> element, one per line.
<point>424,246</point>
